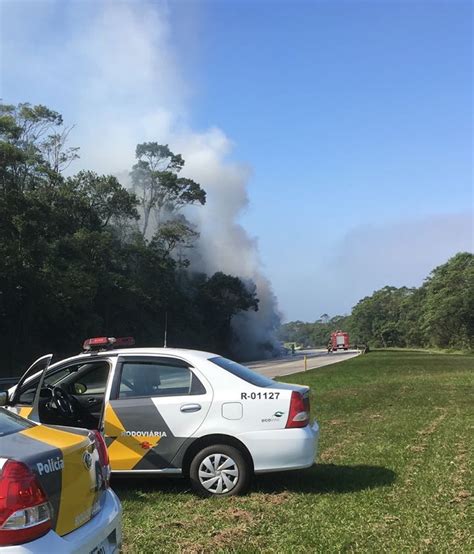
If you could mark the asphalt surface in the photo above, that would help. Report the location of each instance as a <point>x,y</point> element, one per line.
<point>296,363</point>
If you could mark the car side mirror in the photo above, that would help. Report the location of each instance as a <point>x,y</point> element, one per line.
<point>80,388</point>
<point>3,398</point>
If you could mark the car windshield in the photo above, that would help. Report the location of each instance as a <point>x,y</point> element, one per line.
<point>243,372</point>
<point>10,423</point>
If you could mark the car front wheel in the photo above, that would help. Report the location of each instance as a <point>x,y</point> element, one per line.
<point>219,470</point>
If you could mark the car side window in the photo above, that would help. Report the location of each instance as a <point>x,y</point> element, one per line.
<point>90,379</point>
<point>158,378</point>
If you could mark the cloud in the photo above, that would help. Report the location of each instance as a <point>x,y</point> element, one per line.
<point>403,252</point>
<point>368,257</point>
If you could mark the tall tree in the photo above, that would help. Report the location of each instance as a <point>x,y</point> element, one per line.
<point>176,234</point>
<point>220,298</point>
<point>448,307</point>
<point>157,185</point>
<point>377,318</point>
<point>101,196</point>
<point>32,146</point>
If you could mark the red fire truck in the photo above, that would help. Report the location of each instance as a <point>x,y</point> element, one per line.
<point>339,341</point>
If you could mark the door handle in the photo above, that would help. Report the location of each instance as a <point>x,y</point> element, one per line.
<point>189,408</point>
<point>91,401</point>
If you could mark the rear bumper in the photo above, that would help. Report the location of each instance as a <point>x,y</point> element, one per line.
<point>106,524</point>
<point>282,449</point>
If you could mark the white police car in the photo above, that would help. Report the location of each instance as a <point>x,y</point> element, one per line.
<point>174,411</point>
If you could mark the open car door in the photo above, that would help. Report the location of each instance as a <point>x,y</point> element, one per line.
<point>28,407</point>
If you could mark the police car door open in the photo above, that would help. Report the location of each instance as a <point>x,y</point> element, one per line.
<point>30,408</point>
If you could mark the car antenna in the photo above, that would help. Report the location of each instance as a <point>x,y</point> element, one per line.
<point>166,329</point>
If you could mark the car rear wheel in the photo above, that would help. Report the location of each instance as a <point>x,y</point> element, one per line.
<point>219,470</point>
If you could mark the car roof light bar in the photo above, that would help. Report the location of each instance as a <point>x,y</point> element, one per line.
<point>107,343</point>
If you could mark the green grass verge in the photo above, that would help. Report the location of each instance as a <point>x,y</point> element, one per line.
<point>393,474</point>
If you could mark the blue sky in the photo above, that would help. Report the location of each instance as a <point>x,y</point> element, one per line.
<point>354,120</point>
<point>370,99</point>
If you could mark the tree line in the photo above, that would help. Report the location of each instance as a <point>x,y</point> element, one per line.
<point>439,313</point>
<point>83,256</point>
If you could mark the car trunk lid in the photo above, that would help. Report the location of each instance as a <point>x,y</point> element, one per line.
<point>68,468</point>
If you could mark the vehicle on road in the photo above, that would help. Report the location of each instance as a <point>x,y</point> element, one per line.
<point>339,341</point>
<point>54,490</point>
<point>174,411</point>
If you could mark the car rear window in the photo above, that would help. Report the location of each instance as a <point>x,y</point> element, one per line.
<point>243,372</point>
<point>11,423</point>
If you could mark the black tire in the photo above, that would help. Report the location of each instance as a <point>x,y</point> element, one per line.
<point>237,471</point>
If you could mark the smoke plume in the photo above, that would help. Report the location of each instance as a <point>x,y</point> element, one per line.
<point>121,83</point>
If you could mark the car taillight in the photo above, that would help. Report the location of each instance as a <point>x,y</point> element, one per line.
<point>103,454</point>
<point>298,415</point>
<point>25,513</point>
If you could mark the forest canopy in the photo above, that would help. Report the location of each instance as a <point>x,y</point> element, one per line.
<point>83,256</point>
<point>439,314</point>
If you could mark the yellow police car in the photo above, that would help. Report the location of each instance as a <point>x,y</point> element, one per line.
<point>54,492</point>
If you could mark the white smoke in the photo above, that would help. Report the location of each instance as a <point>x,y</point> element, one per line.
<point>120,75</point>
<point>224,245</point>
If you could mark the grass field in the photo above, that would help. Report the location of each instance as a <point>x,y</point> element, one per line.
<point>393,475</point>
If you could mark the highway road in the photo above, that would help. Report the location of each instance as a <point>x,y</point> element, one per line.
<point>294,364</point>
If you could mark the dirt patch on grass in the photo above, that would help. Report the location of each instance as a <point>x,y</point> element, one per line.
<point>461,463</point>
<point>237,514</point>
<point>329,454</point>
<point>463,496</point>
<point>425,433</point>
<point>431,428</point>
<point>272,499</point>
<point>235,524</point>
<point>227,539</point>
<point>417,448</point>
